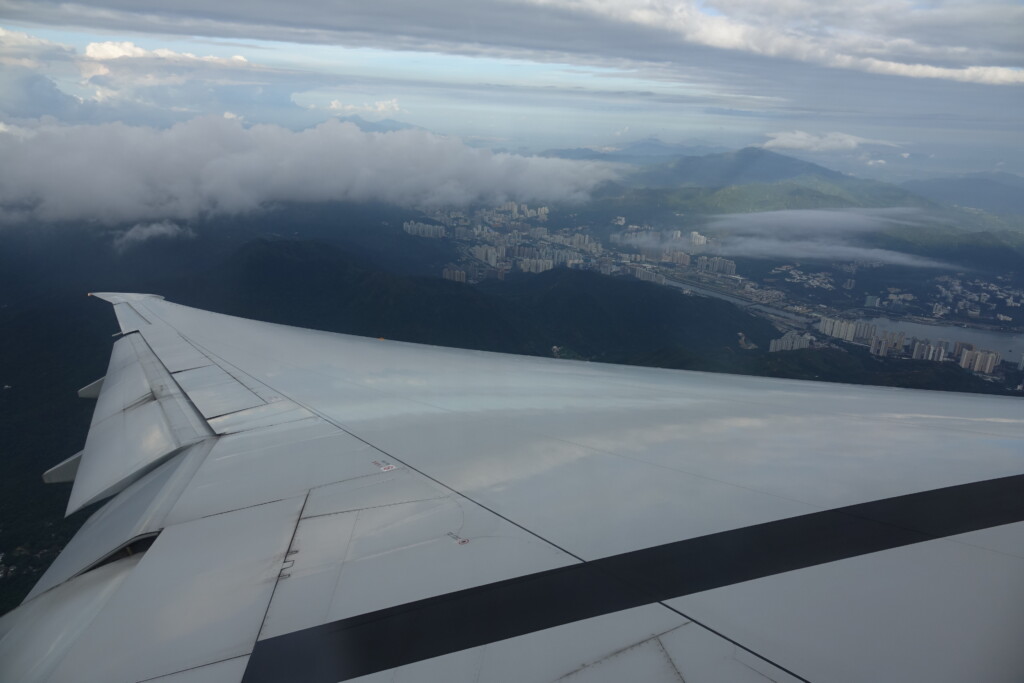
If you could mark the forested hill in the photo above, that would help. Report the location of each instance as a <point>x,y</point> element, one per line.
<point>318,285</point>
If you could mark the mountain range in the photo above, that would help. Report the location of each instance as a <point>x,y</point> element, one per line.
<point>784,182</point>
<point>640,152</point>
<point>1001,193</point>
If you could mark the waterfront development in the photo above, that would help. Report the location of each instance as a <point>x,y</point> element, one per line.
<point>946,316</point>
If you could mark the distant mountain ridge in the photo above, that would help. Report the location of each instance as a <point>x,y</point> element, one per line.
<point>743,167</point>
<point>640,152</point>
<point>382,126</point>
<point>748,180</point>
<point>995,192</point>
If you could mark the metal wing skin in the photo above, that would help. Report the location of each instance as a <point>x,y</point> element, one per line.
<point>292,505</point>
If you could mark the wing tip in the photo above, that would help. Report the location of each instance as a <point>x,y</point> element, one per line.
<point>123,297</point>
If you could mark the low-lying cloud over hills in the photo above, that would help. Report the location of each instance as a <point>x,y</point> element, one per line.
<point>113,173</point>
<point>817,235</point>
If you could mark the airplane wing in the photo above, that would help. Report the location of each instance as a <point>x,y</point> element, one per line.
<point>292,505</point>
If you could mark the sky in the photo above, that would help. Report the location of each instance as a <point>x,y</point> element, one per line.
<point>109,112</point>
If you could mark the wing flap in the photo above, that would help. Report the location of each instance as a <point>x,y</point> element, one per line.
<point>39,633</point>
<point>215,392</point>
<point>257,417</point>
<point>197,597</point>
<point>91,390</point>
<point>139,510</point>
<point>141,419</point>
<point>126,383</point>
<point>162,393</point>
<point>64,472</point>
<point>258,466</point>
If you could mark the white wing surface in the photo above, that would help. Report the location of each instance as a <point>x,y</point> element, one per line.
<point>292,505</point>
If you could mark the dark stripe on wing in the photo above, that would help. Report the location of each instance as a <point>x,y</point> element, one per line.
<point>436,626</point>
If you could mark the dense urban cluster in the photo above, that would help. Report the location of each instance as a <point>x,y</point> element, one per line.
<point>516,237</point>
<point>513,237</point>
<point>897,344</point>
<point>977,297</point>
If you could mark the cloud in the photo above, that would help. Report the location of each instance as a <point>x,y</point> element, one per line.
<point>23,50</point>
<point>143,232</point>
<point>382,107</point>
<point>798,31</point>
<point>817,235</point>
<point>121,81</point>
<point>967,42</point>
<point>113,173</point>
<point>824,142</point>
<point>112,50</point>
<point>811,234</point>
<point>811,222</point>
<point>564,73</point>
<point>126,72</point>
<point>766,247</point>
<point>987,75</point>
<point>121,50</point>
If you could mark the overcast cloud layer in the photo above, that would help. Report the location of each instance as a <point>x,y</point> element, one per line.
<point>894,90</point>
<point>966,41</point>
<point>114,173</point>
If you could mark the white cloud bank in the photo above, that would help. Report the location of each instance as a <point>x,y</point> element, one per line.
<point>965,41</point>
<point>109,50</point>
<point>818,235</point>
<point>823,142</point>
<point>799,250</point>
<point>839,36</point>
<point>113,173</point>
<point>19,49</point>
<point>143,232</point>
<point>381,107</point>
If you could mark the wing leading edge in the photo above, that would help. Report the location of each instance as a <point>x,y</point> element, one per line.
<point>287,504</point>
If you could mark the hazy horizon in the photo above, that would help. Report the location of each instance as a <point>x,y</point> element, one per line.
<point>887,91</point>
